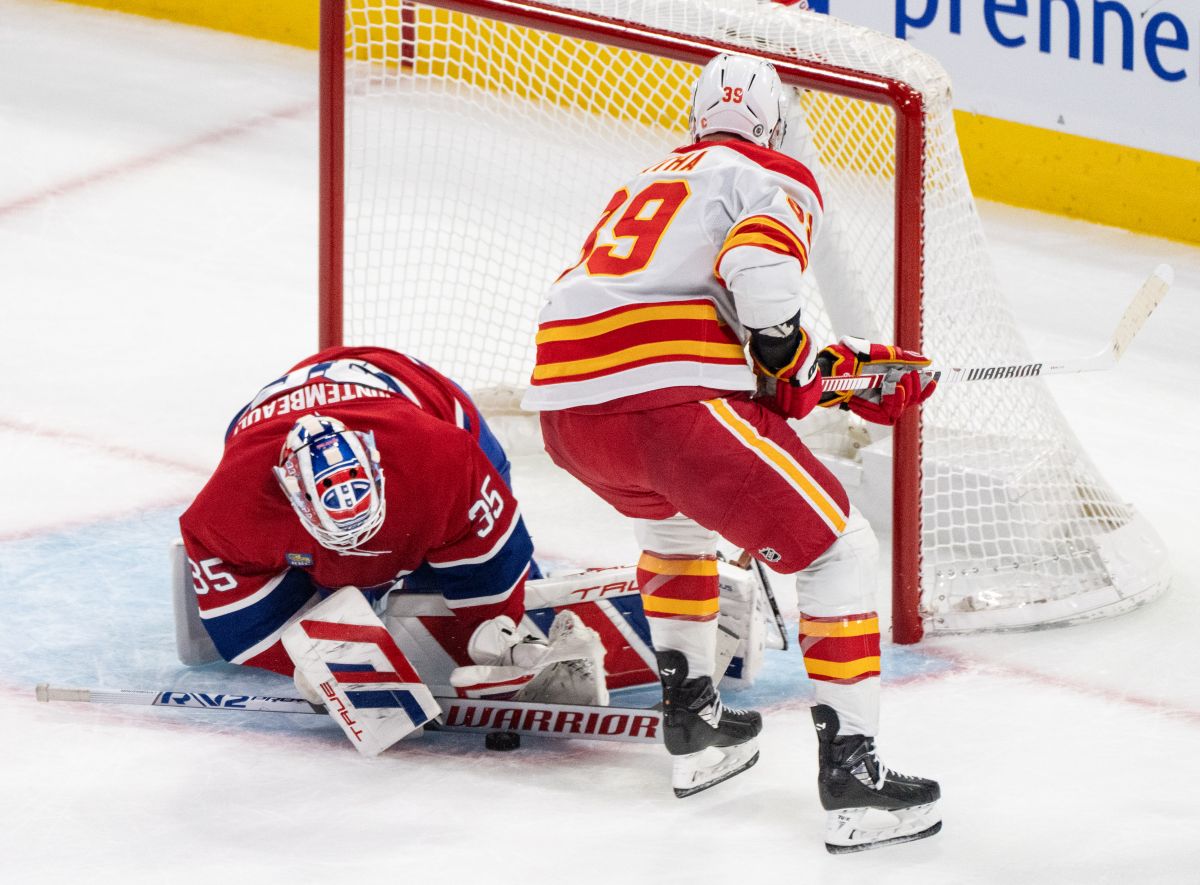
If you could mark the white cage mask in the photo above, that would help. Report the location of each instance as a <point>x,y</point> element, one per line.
<point>333,480</point>
<point>742,96</point>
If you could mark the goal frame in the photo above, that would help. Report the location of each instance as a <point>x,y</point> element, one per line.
<point>910,136</point>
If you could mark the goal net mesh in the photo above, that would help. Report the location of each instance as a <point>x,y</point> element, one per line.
<point>478,154</point>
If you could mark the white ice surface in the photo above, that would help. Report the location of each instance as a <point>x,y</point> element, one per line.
<point>157,265</point>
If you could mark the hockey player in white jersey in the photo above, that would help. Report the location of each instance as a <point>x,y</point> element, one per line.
<point>669,358</point>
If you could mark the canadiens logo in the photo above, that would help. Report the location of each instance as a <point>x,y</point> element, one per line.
<point>347,494</point>
<point>770,554</point>
<point>299,560</point>
<point>345,487</point>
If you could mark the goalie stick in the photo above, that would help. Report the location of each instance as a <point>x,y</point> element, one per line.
<point>1147,298</point>
<point>458,714</point>
<point>746,560</point>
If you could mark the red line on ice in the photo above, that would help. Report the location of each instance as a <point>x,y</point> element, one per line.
<point>93,519</point>
<point>963,664</point>
<point>118,451</point>
<point>145,161</point>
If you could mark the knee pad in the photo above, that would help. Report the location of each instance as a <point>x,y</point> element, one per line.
<point>676,535</point>
<point>842,580</point>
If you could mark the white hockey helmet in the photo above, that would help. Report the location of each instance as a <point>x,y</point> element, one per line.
<point>742,96</point>
<point>333,480</point>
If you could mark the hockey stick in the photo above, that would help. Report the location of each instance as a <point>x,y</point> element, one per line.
<point>458,714</point>
<point>766,585</point>
<point>1147,298</point>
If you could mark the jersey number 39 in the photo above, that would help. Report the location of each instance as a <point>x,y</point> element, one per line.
<point>637,229</point>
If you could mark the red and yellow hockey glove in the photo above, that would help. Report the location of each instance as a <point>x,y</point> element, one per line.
<point>794,390</point>
<point>903,387</point>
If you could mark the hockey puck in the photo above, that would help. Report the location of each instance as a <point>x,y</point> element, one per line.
<point>502,740</point>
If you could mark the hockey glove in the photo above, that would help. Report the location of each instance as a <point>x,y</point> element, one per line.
<point>903,386</point>
<point>565,668</point>
<point>794,389</point>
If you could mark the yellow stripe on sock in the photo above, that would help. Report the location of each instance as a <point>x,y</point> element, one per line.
<point>847,670</point>
<point>702,568</point>
<point>839,628</point>
<point>694,607</point>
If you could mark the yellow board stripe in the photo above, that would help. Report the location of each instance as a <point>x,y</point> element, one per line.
<point>847,670</point>
<point>785,465</point>
<point>621,320</point>
<point>701,349</point>
<point>665,606</point>
<point>1161,196</point>
<point>840,628</point>
<point>699,567</point>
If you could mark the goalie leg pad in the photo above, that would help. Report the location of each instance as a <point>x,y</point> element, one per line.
<point>192,642</point>
<point>489,682</point>
<point>369,687</point>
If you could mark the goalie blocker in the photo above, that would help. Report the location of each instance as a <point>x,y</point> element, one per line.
<point>341,648</point>
<point>346,660</point>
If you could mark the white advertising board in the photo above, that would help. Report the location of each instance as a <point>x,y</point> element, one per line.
<point>1121,71</point>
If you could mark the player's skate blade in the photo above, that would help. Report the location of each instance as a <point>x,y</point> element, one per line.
<point>696,772</point>
<point>860,829</point>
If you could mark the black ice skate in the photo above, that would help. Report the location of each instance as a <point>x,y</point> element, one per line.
<point>869,805</point>
<point>710,742</point>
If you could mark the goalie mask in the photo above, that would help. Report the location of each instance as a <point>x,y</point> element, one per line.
<point>742,96</point>
<point>333,481</point>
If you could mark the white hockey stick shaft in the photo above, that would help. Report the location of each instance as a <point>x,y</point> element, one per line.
<point>188,699</point>
<point>1143,304</point>
<point>458,714</point>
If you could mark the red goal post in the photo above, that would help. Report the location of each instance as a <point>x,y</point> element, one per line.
<point>388,44</point>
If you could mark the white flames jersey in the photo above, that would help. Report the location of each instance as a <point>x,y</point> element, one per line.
<point>686,256</point>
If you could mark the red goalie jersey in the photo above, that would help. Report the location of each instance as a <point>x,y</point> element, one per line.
<point>451,523</point>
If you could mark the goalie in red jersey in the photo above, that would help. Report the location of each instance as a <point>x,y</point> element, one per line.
<point>669,360</point>
<point>365,468</point>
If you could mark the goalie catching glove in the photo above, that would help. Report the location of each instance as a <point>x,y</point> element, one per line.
<point>904,386</point>
<point>565,668</point>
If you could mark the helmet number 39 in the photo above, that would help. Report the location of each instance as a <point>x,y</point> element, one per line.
<point>732,94</point>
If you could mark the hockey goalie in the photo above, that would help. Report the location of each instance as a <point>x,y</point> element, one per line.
<point>360,534</point>
<point>359,472</point>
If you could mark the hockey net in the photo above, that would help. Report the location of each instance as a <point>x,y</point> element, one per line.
<point>477,140</point>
